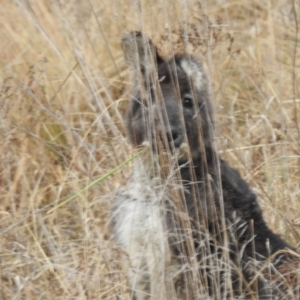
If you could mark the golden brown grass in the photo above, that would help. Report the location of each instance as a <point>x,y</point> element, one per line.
<point>62,101</point>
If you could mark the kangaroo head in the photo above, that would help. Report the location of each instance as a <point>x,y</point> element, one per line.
<point>170,98</point>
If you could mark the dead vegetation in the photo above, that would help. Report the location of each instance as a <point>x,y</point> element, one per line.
<point>62,97</point>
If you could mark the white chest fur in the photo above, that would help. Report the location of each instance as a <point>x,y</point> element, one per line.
<point>139,226</point>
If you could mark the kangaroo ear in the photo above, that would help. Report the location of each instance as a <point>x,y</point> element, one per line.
<point>194,71</point>
<point>140,52</point>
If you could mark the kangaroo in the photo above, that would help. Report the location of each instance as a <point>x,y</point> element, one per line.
<point>195,236</point>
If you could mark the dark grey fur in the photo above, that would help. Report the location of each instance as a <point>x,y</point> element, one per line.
<point>171,102</point>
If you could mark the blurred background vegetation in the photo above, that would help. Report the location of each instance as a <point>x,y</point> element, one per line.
<point>64,89</point>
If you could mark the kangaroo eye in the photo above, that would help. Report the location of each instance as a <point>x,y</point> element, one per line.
<point>187,102</point>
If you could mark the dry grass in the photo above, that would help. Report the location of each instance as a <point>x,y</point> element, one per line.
<point>62,101</point>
